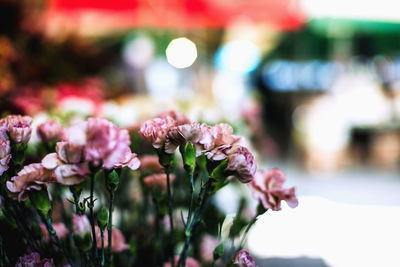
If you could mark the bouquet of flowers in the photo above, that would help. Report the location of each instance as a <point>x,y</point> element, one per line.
<point>82,198</point>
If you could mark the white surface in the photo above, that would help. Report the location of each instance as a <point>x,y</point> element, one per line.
<point>352,220</point>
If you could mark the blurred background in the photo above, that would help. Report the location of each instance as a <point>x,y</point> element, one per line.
<point>314,85</point>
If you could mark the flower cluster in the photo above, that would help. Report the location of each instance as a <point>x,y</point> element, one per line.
<point>95,141</point>
<point>102,220</point>
<point>216,142</point>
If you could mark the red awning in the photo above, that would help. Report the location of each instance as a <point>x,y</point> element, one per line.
<point>281,14</point>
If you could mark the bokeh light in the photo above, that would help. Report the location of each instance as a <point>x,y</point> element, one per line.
<point>181,53</point>
<point>239,56</point>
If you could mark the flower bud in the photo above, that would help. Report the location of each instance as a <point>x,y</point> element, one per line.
<point>165,159</point>
<point>188,152</point>
<point>112,181</point>
<point>102,218</point>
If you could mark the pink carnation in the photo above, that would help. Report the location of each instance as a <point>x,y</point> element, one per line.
<point>80,225</point>
<point>18,128</point>
<point>50,131</point>
<point>217,135</point>
<point>118,240</point>
<point>106,142</point>
<point>219,153</point>
<point>267,187</point>
<point>158,180</point>
<point>178,117</point>
<point>5,155</point>
<point>243,259</point>
<point>180,135</point>
<point>67,163</point>
<point>242,163</point>
<point>31,177</point>
<point>33,260</point>
<point>156,130</point>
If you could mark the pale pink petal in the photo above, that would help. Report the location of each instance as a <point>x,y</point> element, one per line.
<point>51,161</point>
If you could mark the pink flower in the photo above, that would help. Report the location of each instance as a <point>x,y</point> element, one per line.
<point>267,187</point>
<point>190,262</point>
<point>80,225</point>
<point>3,132</point>
<point>243,259</point>
<point>60,228</point>
<point>150,164</point>
<point>15,119</point>
<point>179,118</point>
<point>70,152</point>
<point>217,135</point>
<point>118,240</point>
<point>50,131</point>
<point>33,260</point>
<point>18,128</point>
<point>5,155</point>
<point>31,177</point>
<point>76,134</point>
<point>242,163</point>
<point>156,130</point>
<point>207,246</point>
<point>219,153</point>
<point>129,160</point>
<point>158,180</point>
<point>67,163</point>
<point>106,142</point>
<point>180,135</point>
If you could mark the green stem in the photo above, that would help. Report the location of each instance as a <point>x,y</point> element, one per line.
<point>191,198</point>
<point>92,222</point>
<point>171,223</point>
<point>196,218</point>
<point>251,223</point>
<point>102,247</point>
<point>109,226</point>
<point>47,220</point>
